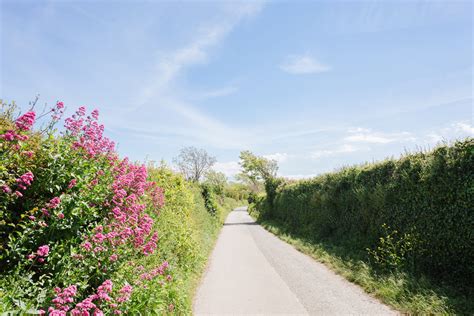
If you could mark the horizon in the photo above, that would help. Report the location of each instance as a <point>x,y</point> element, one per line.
<point>315,85</point>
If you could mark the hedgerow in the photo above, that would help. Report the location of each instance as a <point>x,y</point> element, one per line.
<point>413,214</point>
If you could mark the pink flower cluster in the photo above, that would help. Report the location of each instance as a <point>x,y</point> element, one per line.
<point>90,304</point>
<point>57,111</point>
<point>23,123</point>
<point>72,183</point>
<point>53,203</point>
<point>157,271</point>
<point>157,194</point>
<point>6,189</point>
<point>28,153</point>
<point>125,293</point>
<point>43,251</point>
<point>11,135</point>
<point>129,222</point>
<point>26,121</point>
<point>63,300</point>
<point>25,180</point>
<point>89,133</point>
<point>40,254</point>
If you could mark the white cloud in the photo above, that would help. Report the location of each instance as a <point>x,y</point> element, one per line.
<point>230,168</point>
<point>464,127</point>
<point>345,148</point>
<point>456,130</point>
<point>279,157</point>
<point>368,138</point>
<point>359,130</point>
<point>303,64</point>
<point>364,135</point>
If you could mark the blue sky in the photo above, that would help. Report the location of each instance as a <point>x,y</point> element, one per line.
<point>314,84</point>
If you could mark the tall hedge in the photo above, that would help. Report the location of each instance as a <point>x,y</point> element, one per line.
<point>423,201</point>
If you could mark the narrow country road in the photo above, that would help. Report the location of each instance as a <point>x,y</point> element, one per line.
<point>253,272</point>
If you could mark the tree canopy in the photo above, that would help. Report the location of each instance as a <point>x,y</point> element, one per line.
<point>194,162</point>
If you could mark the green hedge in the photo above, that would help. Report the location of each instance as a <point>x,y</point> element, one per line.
<point>416,212</point>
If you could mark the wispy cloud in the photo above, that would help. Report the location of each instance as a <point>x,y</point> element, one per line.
<point>364,135</point>
<point>160,86</point>
<point>218,92</point>
<point>278,157</point>
<point>343,149</point>
<point>303,64</point>
<point>170,64</point>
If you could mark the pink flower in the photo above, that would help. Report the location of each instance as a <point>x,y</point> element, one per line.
<point>28,153</point>
<point>87,246</point>
<point>25,180</point>
<point>45,212</point>
<point>95,114</point>
<point>125,293</point>
<point>60,215</point>
<point>9,135</point>
<point>72,183</point>
<point>98,312</point>
<point>43,251</point>
<point>25,121</point>
<point>54,203</point>
<point>21,137</point>
<point>63,299</point>
<point>6,189</point>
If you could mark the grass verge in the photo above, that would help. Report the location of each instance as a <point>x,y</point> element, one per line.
<point>405,293</point>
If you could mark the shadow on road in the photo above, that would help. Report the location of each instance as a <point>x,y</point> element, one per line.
<point>232,224</point>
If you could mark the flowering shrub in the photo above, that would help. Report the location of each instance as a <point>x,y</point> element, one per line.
<point>71,214</point>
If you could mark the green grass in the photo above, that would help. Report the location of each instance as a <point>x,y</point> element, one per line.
<point>403,292</point>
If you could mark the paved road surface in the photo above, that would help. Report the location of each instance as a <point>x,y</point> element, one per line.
<point>253,272</point>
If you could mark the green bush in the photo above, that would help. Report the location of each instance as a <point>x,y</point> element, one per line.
<point>209,198</point>
<point>425,198</point>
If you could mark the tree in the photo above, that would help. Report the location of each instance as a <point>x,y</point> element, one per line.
<point>217,180</point>
<point>194,162</point>
<point>253,186</point>
<point>257,168</point>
